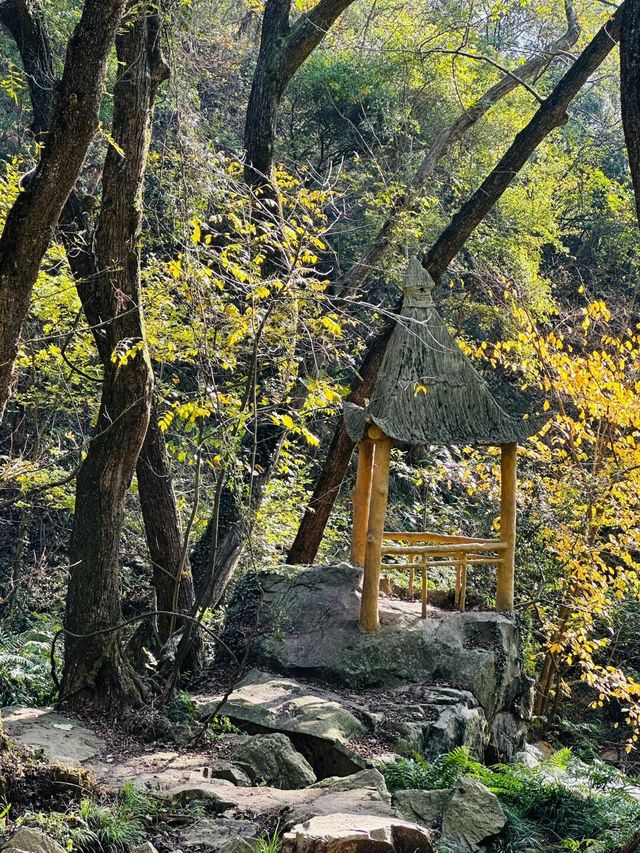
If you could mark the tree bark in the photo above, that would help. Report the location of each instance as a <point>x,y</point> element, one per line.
<point>551,114</point>
<point>35,213</point>
<point>172,578</point>
<point>630,90</point>
<point>95,671</point>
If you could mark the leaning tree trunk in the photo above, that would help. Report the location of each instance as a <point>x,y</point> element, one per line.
<point>95,670</point>
<point>551,114</point>
<point>630,90</point>
<point>34,215</point>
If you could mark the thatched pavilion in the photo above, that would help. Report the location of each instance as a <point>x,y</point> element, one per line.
<point>427,393</point>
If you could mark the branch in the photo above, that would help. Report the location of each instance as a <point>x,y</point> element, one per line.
<point>309,30</point>
<point>551,114</point>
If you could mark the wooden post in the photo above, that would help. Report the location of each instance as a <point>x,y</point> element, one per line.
<point>424,589</point>
<point>411,577</point>
<point>462,601</point>
<point>375,529</point>
<point>361,499</point>
<point>508,485</point>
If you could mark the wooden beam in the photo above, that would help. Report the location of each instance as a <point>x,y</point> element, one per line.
<point>361,499</point>
<point>373,553</point>
<point>444,549</point>
<point>400,536</point>
<point>508,487</point>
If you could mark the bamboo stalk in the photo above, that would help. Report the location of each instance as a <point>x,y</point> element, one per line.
<point>451,563</point>
<point>411,577</point>
<point>508,487</point>
<point>424,591</point>
<point>463,585</point>
<point>373,553</point>
<point>361,500</point>
<point>444,550</point>
<point>399,536</point>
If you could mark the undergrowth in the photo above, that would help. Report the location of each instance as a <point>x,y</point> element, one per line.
<point>94,827</point>
<point>560,805</point>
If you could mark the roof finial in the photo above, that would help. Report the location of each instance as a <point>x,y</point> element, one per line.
<point>417,285</point>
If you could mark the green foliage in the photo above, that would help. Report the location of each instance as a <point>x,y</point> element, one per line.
<point>268,842</point>
<point>25,667</point>
<point>558,805</point>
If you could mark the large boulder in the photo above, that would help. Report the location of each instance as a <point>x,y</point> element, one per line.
<point>28,840</point>
<point>272,759</point>
<point>472,815</point>
<point>467,815</point>
<point>349,833</point>
<point>308,625</point>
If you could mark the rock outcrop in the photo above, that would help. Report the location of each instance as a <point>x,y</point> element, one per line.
<point>304,622</point>
<point>271,759</point>
<point>28,840</point>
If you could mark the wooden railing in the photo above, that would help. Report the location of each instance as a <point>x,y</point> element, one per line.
<point>426,551</point>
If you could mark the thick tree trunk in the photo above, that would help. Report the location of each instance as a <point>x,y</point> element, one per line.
<point>32,219</point>
<point>550,115</point>
<point>630,90</point>
<point>95,671</point>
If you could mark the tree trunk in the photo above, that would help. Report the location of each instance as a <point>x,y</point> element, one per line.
<point>630,90</point>
<point>95,671</point>
<point>172,579</point>
<point>550,115</point>
<point>34,215</point>
<point>283,49</point>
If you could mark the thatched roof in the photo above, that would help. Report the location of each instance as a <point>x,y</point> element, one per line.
<point>427,391</point>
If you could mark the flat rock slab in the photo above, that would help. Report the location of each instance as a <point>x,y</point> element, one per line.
<point>62,741</point>
<point>159,770</point>
<point>363,794</point>
<point>352,833</point>
<point>285,705</point>
<point>222,835</point>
